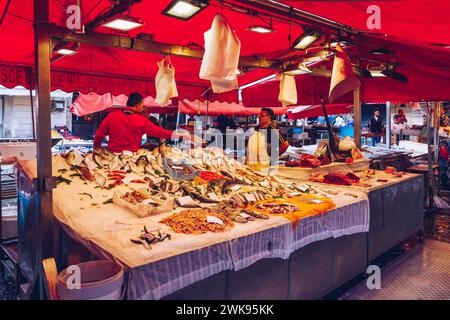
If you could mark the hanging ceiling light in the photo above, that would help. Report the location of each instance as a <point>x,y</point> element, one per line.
<point>185,9</point>
<point>123,23</point>
<point>306,39</point>
<point>260,29</point>
<point>66,48</point>
<point>376,70</point>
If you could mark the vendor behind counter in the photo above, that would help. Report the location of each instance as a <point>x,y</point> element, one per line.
<point>126,128</point>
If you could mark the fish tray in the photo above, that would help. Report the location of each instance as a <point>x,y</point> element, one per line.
<point>178,175</point>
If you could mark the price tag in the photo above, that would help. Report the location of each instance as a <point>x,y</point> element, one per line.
<point>214,219</point>
<point>185,200</point>
<point>250,197</point>
<point>244,215</point>
<point>213,196</point>
<point>127,179</point>
<point>127,153</point>
<point>294,194</point>
<point>235,187</point>
<point>316,201</point>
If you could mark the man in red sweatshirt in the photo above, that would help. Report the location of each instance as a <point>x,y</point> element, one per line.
<point>126,128</point>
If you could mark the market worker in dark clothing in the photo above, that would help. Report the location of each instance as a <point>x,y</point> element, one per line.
<point>376,125</point>
<point>267,123</point>
<point>126,128</point>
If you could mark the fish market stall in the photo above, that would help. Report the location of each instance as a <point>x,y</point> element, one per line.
<point>202,219</point>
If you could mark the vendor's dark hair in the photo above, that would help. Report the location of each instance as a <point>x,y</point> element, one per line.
<point>269,112</point>
<point>134,99</point>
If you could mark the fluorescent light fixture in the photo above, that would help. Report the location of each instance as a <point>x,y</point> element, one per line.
<point>306,39</point>
<point>123,23</point>
<point>377,73</point>
<point>261,29</point>
<point>296,69</point>
<point>316,57</point>
<point>256,82</point>
<point>185,9</point>
<point>66,52</point>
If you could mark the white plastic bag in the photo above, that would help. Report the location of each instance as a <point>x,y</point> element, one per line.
<point>166,87</point>
<point>288,90</point>
<point>221,58</point>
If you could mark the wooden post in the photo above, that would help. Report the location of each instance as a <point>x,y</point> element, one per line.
<point>44,238</point>
<point>357,116</point>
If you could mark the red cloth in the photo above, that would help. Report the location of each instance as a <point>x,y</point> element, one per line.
<point>126,130</point>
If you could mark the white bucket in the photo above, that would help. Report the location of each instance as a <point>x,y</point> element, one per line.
<point>100,280</point>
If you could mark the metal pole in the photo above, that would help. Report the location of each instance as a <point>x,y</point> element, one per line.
<point>437,113</point>
<point>29,75</point>
<point>430,162</point>
<point>44,157</point>
<point>388,125</point>
<point>357,116</point>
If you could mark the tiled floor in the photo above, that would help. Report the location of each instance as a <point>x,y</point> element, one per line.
<point>422,273</point>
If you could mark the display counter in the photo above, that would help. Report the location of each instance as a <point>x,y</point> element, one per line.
<point>396,209</point>
<point>227,260</point>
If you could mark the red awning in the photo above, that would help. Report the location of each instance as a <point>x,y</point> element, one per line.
<point>112,70</point>
<point>90,103</point>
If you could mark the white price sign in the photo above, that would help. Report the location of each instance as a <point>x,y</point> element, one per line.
<point>213,219</point>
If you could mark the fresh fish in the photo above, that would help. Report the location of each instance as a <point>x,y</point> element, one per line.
<point>100,179</point>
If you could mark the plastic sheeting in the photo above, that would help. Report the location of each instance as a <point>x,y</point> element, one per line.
<point>166,87</point>
<point>288,90</point>
<point>343,79</point>
<point>221,57</point>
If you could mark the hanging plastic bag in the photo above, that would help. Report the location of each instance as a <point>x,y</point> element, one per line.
<point>257,157</point>
<point>166,87</point>
<point>288,90</point>
<point>343,79</point>
<point>221,58</point>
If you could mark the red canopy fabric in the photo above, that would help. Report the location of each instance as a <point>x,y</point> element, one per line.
<point>427,70</point>
<point>422,22</point>
<point>105,70</point>
<point>312,111</point>
<point>103,65</point>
